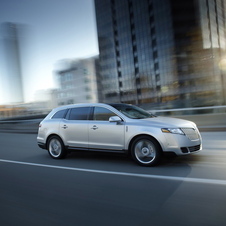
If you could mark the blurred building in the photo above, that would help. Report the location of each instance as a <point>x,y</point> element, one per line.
<point>78,82</point>
<point>25,110</point>
<point>48,97</point>
<point>162,53</point>
<point>12,76</point>
<point>7,111</point>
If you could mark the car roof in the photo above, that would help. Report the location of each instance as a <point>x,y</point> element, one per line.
<point>80,105</point>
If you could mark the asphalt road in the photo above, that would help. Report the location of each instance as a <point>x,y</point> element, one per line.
<point>106,189</point>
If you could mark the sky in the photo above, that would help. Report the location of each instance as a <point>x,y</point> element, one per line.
<point>56,30</point>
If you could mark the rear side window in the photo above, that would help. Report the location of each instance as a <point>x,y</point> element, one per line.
<point>59,114</point>
<point>79,113</point>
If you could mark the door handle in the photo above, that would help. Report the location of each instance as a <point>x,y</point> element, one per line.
<point>64,127</point>
<point>94,127</point>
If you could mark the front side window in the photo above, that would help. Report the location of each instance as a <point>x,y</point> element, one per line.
<point>102,114</point>
<point>59,114</point>
<point>81,113</point>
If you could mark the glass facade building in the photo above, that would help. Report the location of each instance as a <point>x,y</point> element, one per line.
<point>162,53</point>
<point>11,78</point>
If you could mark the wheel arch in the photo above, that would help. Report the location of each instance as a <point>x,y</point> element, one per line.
<point>53,135</point>
<point>142,135</point>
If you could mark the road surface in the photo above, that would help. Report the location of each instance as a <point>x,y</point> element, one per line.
<point>106,189</point>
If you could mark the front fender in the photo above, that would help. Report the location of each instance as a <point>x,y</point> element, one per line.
<point>132,132</point>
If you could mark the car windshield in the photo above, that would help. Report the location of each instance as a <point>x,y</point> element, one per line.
<point>132,111</point>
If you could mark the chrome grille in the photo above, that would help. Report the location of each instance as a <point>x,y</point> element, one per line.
<point>191,133</point>
<point>190,149</point>
<point>194,148</point>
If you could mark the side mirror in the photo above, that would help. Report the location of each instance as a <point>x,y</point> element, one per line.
<point>115,119</point>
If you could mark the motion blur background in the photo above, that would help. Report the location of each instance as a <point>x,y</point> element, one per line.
<point>167,56</point>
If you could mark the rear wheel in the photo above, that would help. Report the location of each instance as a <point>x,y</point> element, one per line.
<point>146,151</point>
<point>56,148</point>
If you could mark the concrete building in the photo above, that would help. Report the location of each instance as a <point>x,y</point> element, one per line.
<point>48,97</point>
<point>162,53</point>
<point>78,81</point>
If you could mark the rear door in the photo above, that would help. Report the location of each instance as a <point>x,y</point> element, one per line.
<point>74,128</point>
<point>104,134</point>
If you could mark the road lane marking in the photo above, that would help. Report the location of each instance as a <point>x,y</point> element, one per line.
<point>183,179</point>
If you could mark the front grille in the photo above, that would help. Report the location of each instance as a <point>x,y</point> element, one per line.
<point>191,133</point>
<point>194,148</point>
<point>190,149</point>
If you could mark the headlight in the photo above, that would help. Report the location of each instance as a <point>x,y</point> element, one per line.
<point>173,130</point>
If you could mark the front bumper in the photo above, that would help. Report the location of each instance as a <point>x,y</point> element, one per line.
<point>181,144</point>
<point>42,145</point>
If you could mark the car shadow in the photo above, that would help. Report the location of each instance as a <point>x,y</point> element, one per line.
<point>116,159</point>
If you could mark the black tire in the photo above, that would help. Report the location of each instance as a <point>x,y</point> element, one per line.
<point>146,151</point>
<point>56,148</point>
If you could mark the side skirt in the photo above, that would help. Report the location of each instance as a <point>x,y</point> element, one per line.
<point>95,150</point>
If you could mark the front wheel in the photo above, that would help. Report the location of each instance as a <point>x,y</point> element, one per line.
<point>146,151</point>
<point>56,148</point>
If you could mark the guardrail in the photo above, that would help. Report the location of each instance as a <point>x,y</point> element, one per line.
<point>20,126</point>
<point>191,111</point>
<point>214,121</point>
<point>206,118</point>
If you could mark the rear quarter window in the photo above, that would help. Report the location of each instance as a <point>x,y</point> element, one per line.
<point>60,114</point>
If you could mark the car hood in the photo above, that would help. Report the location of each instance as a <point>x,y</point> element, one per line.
<point>167,122</point>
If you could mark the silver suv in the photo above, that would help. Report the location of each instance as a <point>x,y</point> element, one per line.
<point>119,128</point>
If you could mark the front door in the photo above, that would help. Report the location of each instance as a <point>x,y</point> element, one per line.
<point>104,134</point>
